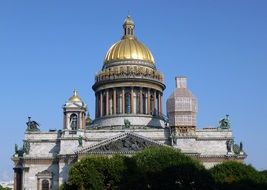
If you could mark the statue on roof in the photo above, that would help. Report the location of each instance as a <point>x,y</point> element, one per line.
<point>16,149</point>
<point>229,145</point>
<point>80,141</point>
<point>32,125</point>
<point>224,123</point>
<point>127,123</point>
<point>241,147</point>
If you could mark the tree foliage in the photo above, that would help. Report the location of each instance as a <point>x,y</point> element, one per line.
<point>166,168</point>
<point>4,188</point>
<point>160,168</point>
<point>235,175</point>
<point>97,172</point>
<point>153,168</point>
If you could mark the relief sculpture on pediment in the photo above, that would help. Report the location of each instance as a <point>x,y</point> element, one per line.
<point>125,144</point>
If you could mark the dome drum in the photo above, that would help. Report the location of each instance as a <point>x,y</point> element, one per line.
<point>136,121</point>
<point>129,101</point>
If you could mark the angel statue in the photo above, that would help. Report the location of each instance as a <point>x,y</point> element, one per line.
<point>32,125</point>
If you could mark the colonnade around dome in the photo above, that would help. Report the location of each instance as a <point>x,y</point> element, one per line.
<point>128,100</point>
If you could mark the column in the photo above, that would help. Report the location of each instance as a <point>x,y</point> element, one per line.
<point>114,101</point>
<point>38,184</point>
<point>155,102</point>
<point>65,120</point>
<point>123,101</point>
<point>101,104</point>
<point>83,120</point>
<point>141,100</point>
<point>145,102</point>
<point>18,181</point>
<point>132,101</point>
<point>159,95</point>
<point>96,104</point>
<point>80,121</point>
<point>148,102</point>
<point>107,102</point>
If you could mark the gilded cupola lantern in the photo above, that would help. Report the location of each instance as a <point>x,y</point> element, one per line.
<point>128,26</point>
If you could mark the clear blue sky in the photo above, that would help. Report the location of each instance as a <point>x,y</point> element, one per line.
<point>48,48</point>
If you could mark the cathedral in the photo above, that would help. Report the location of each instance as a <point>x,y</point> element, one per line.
<point>128,118</point>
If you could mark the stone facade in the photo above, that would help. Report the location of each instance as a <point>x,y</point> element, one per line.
<point>129,118</point>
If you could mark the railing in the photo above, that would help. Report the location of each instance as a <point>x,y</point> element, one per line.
<point>129,72</point>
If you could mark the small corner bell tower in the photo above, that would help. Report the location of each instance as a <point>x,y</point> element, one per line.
<point>74,113</point>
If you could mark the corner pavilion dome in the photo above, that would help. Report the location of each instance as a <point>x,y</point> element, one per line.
<point>128,48</point>
<point>75,97</point>
<point>75,101</point>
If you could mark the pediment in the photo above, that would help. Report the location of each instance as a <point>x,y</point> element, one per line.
<point>125,143</point>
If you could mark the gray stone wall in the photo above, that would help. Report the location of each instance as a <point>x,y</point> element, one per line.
<point>208,142</point>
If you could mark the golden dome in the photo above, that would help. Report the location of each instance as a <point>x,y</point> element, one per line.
<point>75,97</point>
<point>128,47</point>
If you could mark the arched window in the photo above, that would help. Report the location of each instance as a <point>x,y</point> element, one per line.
<point>45,184</point>
<point>129,31</point>
<point>73,121</point>
<point>127,102</point>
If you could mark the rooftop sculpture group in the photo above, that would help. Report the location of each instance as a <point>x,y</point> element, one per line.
<point>32,125</point>
<point>224,123</point>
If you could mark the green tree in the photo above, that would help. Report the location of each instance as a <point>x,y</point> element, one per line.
<point>4,188</point>
<point>166,168</point>
<point>97,173</point>
<point>235,175</point>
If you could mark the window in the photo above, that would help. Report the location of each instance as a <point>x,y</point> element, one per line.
<point>118,102</point>
<point>151,111</point>
<point>104,102</point>
<point>127,102</point>
<point>45,184</point>
<point>138,102</point>
<point>144,103</point>
<point>73,121</point>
